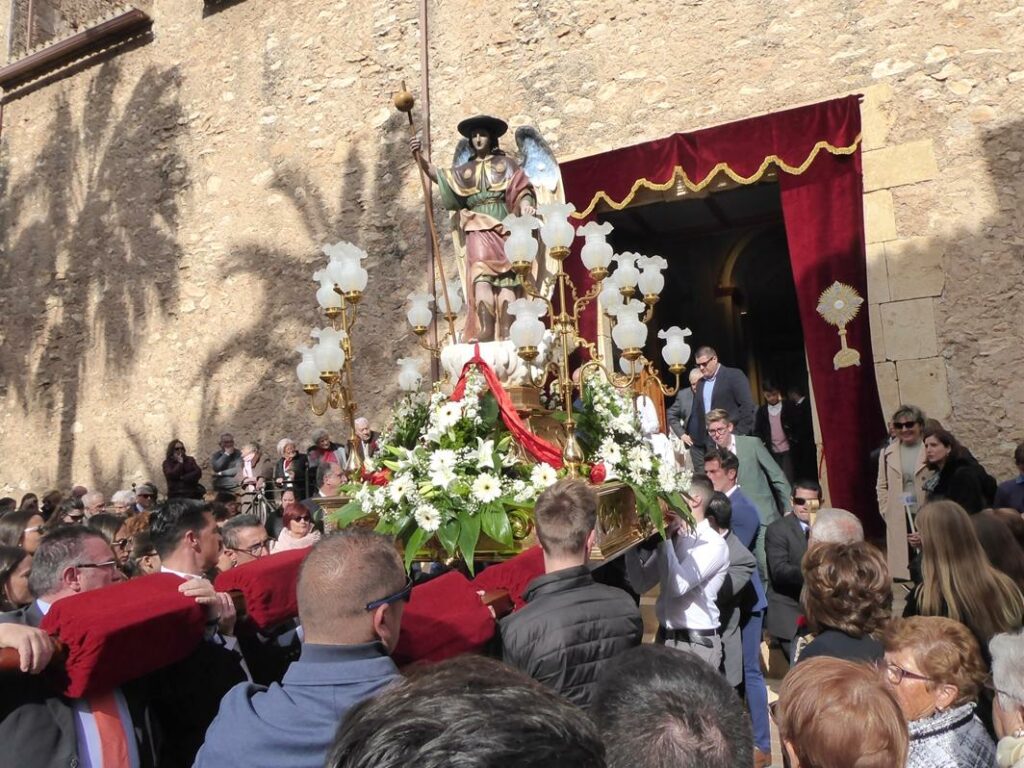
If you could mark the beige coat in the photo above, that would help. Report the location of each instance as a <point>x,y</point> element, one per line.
<point>890,505</point>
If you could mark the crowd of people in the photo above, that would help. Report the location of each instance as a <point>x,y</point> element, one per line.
<point>566,679</point>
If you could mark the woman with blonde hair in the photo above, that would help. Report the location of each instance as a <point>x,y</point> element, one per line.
<point>833,713</point>
<point>936,672</point>
<point>957,580</point>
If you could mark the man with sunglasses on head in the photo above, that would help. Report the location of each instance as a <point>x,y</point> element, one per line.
<point>351,593</point>
<point>785,545</point>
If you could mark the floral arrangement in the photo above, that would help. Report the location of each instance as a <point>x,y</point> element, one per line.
<point>451,470</point>
<point>608,430</point>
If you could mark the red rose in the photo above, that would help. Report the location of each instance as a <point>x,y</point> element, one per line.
<point>597,474</point>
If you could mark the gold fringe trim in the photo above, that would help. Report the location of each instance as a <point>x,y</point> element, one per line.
<point>680,175</point>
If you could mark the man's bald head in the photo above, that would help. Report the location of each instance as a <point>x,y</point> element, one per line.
<point>343,573</point>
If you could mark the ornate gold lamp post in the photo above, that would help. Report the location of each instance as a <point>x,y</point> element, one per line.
<point>326,367</point>
<point>615,293</point>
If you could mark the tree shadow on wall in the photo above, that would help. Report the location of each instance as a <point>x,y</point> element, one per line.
<point>91,252</point>
<point>367,211</point>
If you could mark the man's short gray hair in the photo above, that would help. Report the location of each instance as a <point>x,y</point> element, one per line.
<point>362,420</point>
<point>92,498</point>
<point>836,526</point>
<point>58,550</point>
<point>230,530</point>
<point>122,497</point>
<point>1007,651</point>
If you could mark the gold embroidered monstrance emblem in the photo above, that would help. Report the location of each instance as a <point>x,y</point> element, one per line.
<point>838,305</point>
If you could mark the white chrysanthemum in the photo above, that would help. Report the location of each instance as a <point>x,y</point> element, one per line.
<point>610,451</point>
<point>640,458</point>
<point>448,415</point>
<point>623,423</point>
<point>667,478</point>
<point>442,458</point>
<point>399,488</point>
<point>427,517</point>
<point>486,488</point>
<point>543,475</point>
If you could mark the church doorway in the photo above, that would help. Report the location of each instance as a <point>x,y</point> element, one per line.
<point>729,277</point>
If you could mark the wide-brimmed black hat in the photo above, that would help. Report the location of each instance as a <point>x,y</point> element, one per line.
<point>494,125</point>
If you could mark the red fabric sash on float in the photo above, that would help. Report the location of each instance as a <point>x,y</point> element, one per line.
<point>537,447</point>
<point>268,585</point>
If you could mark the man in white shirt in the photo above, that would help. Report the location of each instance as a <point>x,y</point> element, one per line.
<point>691,565</point>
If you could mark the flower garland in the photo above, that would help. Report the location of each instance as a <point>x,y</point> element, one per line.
<point>451,469</point>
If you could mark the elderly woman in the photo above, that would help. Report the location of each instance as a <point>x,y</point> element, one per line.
<point>297,530</point>
<point>846,599</point>
<point>900,487</point>
<point>1007,651</point>
<point>290,471</point>
<point>957,579</point>
<point>936,672</point>
<point>123,502</point>
<point>837,714</point>
<point>15,564</point>
<point>324,449</point>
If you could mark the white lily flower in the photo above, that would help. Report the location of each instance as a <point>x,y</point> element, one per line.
<point>484,454</point>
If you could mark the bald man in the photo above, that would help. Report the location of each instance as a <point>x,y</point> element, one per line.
<point>352,590</point>
<point>368,437</point>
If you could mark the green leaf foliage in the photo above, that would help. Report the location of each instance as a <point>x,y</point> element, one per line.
<point>469,534</point>
<point>495,524</point>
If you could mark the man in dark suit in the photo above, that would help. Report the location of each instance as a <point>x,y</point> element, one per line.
<point>721,388</point>
<point>785,545</point>
<point>775,423</point>
<point>805,457</point>
<point>351,594</point>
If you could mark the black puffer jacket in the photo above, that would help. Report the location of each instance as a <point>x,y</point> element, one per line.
<point>569,629</point>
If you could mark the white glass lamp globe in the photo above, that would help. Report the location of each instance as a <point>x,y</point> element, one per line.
<point>557,232</point>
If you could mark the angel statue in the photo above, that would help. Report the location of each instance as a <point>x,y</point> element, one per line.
<point>484,185</point>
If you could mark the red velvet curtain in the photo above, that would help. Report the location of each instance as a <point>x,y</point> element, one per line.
<point>816,151</point>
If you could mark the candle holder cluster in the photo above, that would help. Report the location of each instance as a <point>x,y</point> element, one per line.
<point>325,371</point>
<point>615,292</point>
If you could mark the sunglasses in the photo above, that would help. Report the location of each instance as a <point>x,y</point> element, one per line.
<point>404,594</point>
<point>304,519</point>
<point>801,502</point>
<point>120,543</point>
<point>706,363</point>
<point>32,528</point>
<point>904,424</point>
<point>144,495</point>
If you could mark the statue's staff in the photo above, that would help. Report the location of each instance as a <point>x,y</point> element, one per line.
<point>404,102</point>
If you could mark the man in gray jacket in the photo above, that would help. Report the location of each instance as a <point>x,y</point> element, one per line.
<point>571,626</point>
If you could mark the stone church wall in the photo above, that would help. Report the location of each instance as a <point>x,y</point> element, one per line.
<point>161,211</point>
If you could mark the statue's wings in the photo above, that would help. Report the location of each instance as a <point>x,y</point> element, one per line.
<point>463,153</point>
<point>538,160</point>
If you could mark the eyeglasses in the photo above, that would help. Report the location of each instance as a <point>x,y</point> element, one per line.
<point>106,564</point>
<point>121,544</point>
<point>32,529</point>
<point>706,363</point>
<point>255,549</point>
<point>904,424</point>
<point>403,594</point>
<point>717,430</point>
<point>144,495</point>
<point>895,673</point>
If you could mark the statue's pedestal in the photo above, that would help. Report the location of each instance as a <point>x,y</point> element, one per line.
<point>512,371</point>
